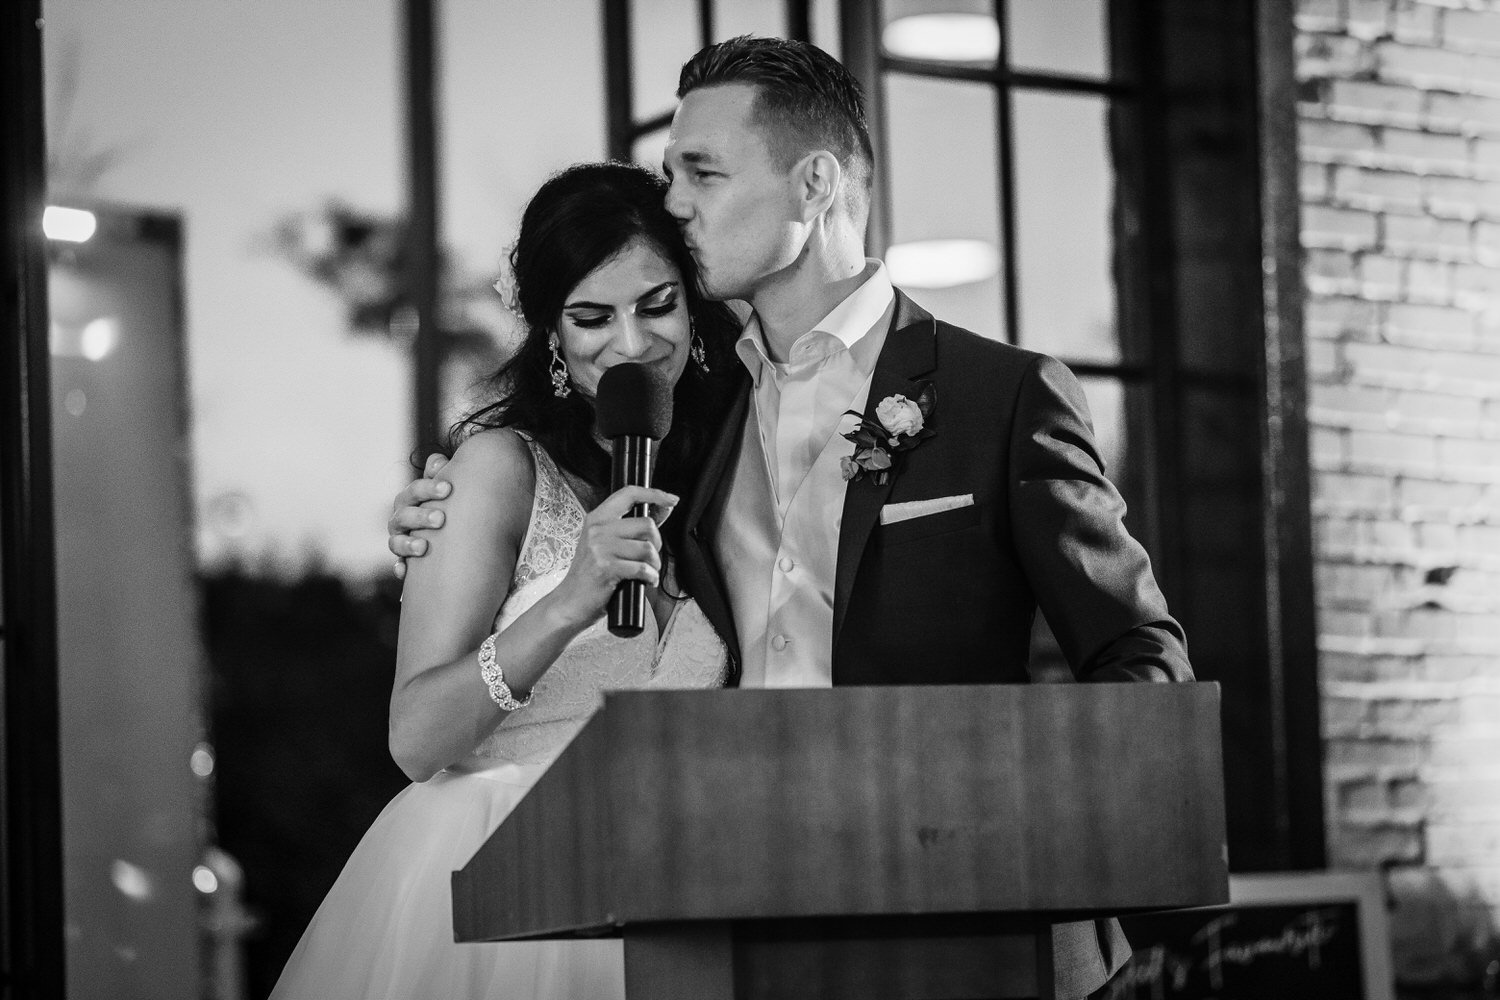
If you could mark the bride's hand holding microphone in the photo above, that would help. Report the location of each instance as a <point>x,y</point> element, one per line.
<point>619,548</point>
<point>614,547</point>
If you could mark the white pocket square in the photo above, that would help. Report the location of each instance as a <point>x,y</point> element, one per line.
<point>893,512</point>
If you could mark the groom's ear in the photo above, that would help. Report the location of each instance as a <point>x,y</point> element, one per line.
<point>817,177</point>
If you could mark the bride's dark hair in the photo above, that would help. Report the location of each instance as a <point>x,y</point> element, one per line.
<point>578,220</point>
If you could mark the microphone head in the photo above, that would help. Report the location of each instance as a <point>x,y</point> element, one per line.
<point>633,400</point>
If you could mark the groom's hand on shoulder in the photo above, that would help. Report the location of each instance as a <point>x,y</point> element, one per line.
<point>407,513</point>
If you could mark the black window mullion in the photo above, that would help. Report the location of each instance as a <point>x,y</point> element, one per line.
<point>619,103</point>
<point>1067,84</point>
<point>1132,374</point>
<point>1003,75</point>
<point>647,126</point>
<point>1004,124</point>
<point>859,38</point>
<point>706,21</point>
<point>799,20</point>
<point>1160,289</point>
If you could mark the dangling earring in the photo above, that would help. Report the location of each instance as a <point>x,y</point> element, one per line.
<point>558,369</point>
<point>696,350</point>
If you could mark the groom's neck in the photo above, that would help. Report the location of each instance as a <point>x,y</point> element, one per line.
<point>789,302</point>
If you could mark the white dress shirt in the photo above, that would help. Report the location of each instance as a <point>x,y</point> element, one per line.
<point>778,540</point>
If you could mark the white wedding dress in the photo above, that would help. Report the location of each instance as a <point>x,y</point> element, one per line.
<point>385,930</point>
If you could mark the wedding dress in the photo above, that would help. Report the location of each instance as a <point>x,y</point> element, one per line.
<point>385,929</point>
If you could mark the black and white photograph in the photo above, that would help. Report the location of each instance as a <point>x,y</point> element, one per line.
<point>750,500</point>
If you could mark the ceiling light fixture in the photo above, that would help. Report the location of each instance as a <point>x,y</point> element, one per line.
<point>70,225</point>
<point>944,37</point>
<point>941,263</point>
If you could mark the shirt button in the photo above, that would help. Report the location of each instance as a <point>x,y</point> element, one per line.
<point>779,643</point>
<point>786,564</point>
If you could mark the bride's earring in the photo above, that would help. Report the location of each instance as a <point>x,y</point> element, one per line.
<point>558,369</point>
<point>696,350</point>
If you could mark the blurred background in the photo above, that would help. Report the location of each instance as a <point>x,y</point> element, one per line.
<point>1266,236</point>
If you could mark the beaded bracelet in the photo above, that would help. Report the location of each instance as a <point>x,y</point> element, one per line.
<point>493,679</point>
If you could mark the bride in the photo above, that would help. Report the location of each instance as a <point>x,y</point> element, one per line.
<point>503,651</point>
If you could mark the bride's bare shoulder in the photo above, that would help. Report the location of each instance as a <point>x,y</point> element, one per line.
<point>493,480</point>
<point>494,459</point>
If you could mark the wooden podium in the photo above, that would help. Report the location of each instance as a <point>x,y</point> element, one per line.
<point>870,842</point>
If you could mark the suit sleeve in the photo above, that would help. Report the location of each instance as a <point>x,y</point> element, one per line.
<point>1092,580</point>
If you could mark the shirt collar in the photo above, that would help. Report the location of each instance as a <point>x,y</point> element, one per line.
<point>847,324</point>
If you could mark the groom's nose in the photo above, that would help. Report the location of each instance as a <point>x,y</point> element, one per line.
<point>677,202</point>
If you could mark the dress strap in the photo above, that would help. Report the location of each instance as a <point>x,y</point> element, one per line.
<point>556,521</point>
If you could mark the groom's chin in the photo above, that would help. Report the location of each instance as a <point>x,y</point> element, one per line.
<point>711,290</point>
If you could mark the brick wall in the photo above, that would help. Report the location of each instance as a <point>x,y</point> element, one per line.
<point>1400,168</point>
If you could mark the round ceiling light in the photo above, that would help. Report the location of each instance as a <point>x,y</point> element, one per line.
<point>72,225</point>
<point>944,37</point>
<point>941,263</point>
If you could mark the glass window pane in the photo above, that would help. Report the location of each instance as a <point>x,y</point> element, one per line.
<point>825,27</point>
<point>650,149</point>
<point>941,31</point>
<point>1107,409</point>
<point>894,10</point>
<point>663,35</point>
<point>129,652</point>
<point>1064,227</point>
<point>1058,36</point>
<point>941,141</point>
<point>749,17</point>
<point>1121,414</point>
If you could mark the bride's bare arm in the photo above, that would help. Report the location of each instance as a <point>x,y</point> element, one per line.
<point>440,708</point>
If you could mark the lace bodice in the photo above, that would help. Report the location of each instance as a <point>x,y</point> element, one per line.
<point>686,654</point>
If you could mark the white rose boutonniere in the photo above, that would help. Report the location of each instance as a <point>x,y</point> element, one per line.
<point>899,416</point>
<point>900,425</point>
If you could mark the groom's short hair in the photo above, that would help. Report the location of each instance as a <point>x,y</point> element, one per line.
<point>805,100</point>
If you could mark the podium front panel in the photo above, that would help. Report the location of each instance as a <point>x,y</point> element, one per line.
<point>735,804</point>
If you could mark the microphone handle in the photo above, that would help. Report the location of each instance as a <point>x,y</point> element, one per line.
<point>630,466</point>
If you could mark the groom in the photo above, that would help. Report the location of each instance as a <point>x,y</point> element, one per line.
<point>919,553</point>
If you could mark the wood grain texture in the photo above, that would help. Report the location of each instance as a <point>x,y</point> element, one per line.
<point>734,804</point>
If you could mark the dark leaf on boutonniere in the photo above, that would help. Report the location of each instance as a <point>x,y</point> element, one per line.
<point>926,399</point>
<point>890,432</point>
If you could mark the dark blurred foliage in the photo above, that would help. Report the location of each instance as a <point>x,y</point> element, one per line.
<point>361,256</point>
<point>300,681</point>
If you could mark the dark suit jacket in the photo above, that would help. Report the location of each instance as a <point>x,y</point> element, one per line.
<point>950,598</point>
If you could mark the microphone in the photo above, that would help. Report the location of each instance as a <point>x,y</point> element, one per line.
<point>634,410</point>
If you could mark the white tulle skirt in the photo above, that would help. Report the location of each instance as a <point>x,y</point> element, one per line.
<point>385,930</point>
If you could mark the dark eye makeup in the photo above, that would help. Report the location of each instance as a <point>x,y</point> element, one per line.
<point>593,321</point>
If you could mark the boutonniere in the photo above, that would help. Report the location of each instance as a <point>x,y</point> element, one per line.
<point>899,426</point>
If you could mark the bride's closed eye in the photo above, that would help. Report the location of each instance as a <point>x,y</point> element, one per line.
<point>664,309</point>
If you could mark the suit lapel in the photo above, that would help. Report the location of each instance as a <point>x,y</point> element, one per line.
<point>910,352</point>
<point>705,508</point>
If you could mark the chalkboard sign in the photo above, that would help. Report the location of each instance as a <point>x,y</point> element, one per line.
<point>1283,936</point>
